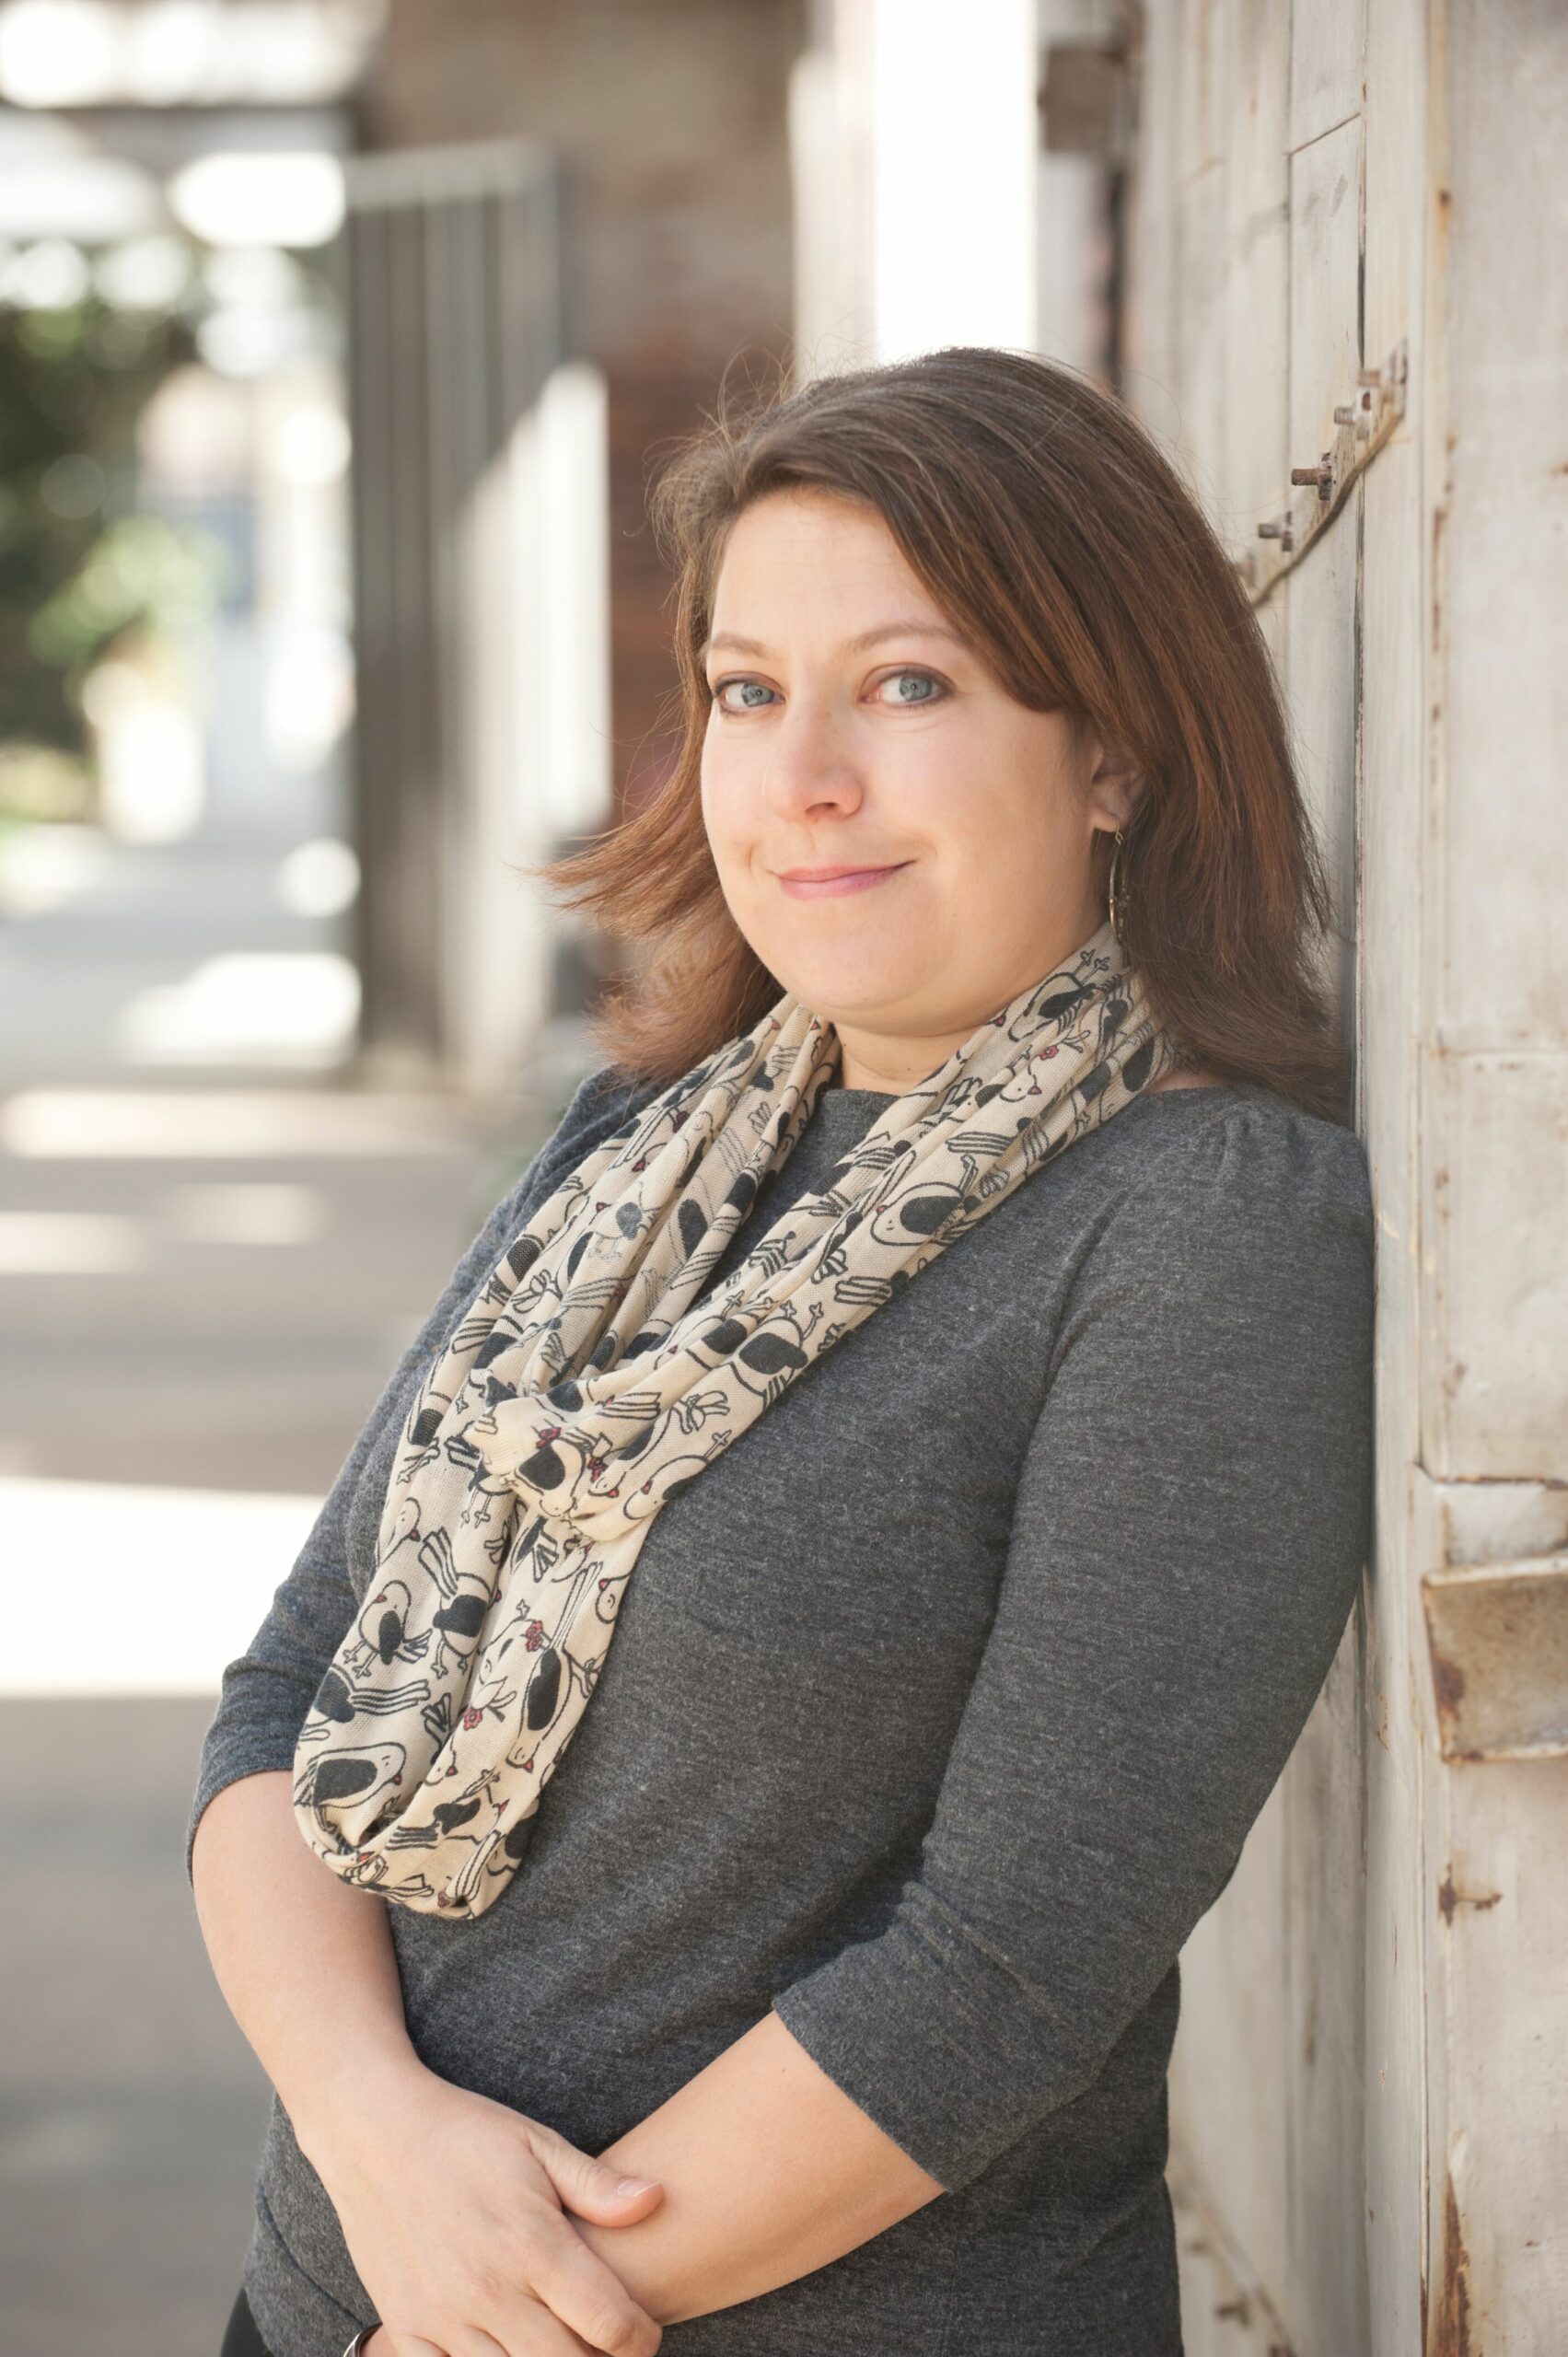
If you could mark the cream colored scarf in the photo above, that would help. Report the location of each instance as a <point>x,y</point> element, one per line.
<point>579,1394</point>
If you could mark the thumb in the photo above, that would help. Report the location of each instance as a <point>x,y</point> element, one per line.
<point>594,2188</point>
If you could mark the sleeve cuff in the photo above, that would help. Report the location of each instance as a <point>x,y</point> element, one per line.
<point>251,1754</point>
<point>937,2037</point>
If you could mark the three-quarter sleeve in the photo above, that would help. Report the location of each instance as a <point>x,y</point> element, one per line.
<point>267,1690</point>
<point>1191,1525</point>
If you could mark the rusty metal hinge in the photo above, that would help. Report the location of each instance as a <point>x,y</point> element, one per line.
<point>1362,426</point>
<point>1497,1634</point>
<point>1085,100</point>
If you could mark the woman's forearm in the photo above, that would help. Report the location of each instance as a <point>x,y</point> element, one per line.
<point>769,2171</point>
<point>305,1961</point>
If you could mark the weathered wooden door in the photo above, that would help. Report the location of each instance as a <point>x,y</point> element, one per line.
<point>1338,307</point>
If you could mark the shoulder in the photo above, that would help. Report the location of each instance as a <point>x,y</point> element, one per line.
<point>1228,1212</point>
<point>1245,1157</point>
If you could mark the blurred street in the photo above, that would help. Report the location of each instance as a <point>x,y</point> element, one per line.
<point>207,1272</point>
<point>247,1248</point>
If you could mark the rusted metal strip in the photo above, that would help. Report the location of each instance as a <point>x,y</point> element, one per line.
<point>1362,426</point>
<point>1497,1634</point>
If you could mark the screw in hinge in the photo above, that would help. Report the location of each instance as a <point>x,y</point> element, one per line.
<point>1277,528</point>
<point>1322,474</point>
<point>1358,412</point>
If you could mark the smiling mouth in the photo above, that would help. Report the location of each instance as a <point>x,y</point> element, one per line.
<point>818,885</point>
<point>826,875</point>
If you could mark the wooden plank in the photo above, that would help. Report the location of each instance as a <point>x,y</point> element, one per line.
<point>1325,2297</point>
<point>1462,1097</point>
<point>1326,48</point>
<point>1498,1096</point>
<point>1392,811</point>
<point>1494,1373</point>
<point>1481,1521</point>
<point>1496,1895</point>
<point>1230,2073</point>
<point>1325,268</point>
<point>1501,1861</point>
<point>1321,672</point>
<point>1225,2310</point>
<point>1321,595</point>
<point>1150,298</point>
<point>1267,2077</point>
<point>1201,332</point>
<point>1203,97</point>
<point>1254,459</point>
<point>1502,973</point>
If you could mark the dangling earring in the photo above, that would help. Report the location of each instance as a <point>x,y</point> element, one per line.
<point>1117,910</point>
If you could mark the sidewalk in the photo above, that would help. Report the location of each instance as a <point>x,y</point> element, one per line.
<point>206,1273</point>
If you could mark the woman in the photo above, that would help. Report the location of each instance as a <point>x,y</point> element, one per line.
<point>961,1627</point>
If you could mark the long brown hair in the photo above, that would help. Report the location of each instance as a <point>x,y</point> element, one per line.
<point>1048,527</point>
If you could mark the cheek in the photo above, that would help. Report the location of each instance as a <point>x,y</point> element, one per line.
<point>725,808</point>
<point>1012,843</point>
<point>710,785</point>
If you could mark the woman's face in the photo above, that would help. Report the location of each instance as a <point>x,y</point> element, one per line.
<point>855,729</point>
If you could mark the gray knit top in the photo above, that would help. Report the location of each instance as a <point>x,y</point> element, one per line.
<point>936,1717</point>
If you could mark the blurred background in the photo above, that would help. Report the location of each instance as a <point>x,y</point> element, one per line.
<point>338,341</point>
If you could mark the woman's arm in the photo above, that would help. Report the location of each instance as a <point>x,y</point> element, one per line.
<point>783,2171</point>
<point>274,1919</point>
<point>304,1960</point>
<point>306,1967</point>
<point>1190,1523</point>
<point>769,2170</point>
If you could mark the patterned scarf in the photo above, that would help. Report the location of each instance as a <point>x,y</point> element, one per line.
<point>577,1396</point>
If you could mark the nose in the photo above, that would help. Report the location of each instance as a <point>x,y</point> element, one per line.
<point>811,763</point>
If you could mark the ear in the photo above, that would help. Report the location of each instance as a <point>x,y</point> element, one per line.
<point>1117,784</point>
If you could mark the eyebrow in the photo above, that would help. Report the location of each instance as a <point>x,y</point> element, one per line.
<point>907,626</point>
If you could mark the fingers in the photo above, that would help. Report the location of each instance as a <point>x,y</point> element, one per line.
<point>581,2289</point>
<point>569,2300</point>
<point>533,2332</point>
<point>588,2296</point>
<point>513,2277</point>
<point>594,2188</point>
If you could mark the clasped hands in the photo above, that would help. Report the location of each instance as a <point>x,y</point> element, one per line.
<point>454,2211</point>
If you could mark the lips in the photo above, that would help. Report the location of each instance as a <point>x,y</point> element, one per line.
<point>828,874</point>
<point>825,884</point>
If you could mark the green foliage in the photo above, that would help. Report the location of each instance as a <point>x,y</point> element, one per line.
<point>37,782</point>
<point>77,566</point>
<point>138,570</point>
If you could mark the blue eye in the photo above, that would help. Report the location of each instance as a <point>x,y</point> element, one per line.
<point>718,694</point>
<point>898,677</point>
<point>933,690</point>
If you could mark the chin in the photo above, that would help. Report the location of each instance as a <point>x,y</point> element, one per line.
<point>853,981</point>
<point>852,999</point>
